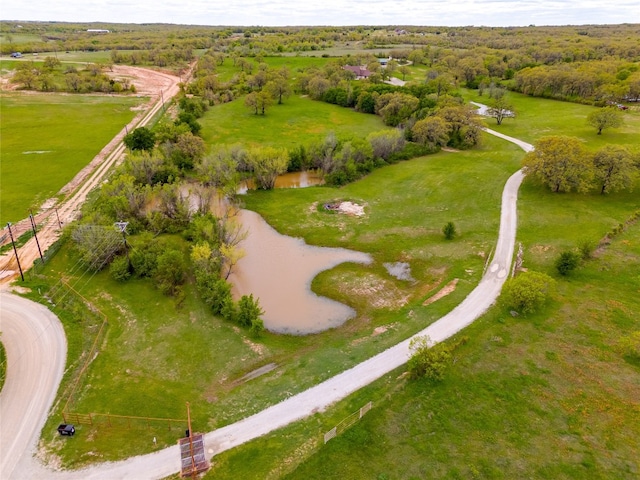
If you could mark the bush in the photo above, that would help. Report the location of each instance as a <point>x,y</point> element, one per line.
<point>586,248</point>
<point>119,269</point>
<point>566,262</point>
<point>170,272</point>
<point>527,292</point>
<point>449,231</point>
<point>428,361</point>
<point>249,310</point>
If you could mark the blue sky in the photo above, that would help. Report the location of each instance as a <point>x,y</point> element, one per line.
<point>328,12</point>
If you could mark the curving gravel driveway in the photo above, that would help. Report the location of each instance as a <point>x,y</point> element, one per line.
<point>17,451</point>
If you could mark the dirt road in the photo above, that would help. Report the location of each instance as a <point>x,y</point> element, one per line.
<point>36,355</point>
<point>166,462</point>
<point>159,86</point>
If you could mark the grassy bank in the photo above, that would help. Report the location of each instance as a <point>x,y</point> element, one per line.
<point>41,153</point>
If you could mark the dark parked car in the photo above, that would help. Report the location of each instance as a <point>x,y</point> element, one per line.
<point>66,429</point>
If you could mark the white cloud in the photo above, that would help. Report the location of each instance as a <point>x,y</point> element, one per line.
<point>329,12</point>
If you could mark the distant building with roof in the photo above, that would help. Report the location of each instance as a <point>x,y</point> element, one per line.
<point>360,72</point>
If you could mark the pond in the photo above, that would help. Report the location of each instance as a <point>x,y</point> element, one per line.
<point>288,180</point>
<point>278,270</point>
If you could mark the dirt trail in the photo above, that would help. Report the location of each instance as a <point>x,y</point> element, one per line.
<point>159,87</point>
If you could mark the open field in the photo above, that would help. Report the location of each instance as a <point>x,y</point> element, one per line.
<point>41,153</point>
<point>537,117</point>
<point>298,121</point>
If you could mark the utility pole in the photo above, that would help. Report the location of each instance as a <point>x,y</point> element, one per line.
<point>35,234</point>
<point>15,250</point>
<point>194,470</point>
<point>122,227</point>
<point>58,217</point>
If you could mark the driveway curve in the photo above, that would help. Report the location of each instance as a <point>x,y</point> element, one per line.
<point>166,462</point>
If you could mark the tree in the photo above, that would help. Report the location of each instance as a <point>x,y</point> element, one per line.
<point>567,262</point>
<point>608,117</point>
<point>394,108</point>
<point>464,127</point>
<point>140,139</point>
<point>258,102</point>
<point>449,230</point>
<point>404,70</point>
<point>279,88</point>
<point>248,310</point>
<point>267,163</point>
<point>527,292</point>
<point>430,361</point>
<point>431,131</point>
<point>614,169</point>
<point>561,163</point>
<point>50,63</point>
<point>186,151</point>
<point>97,245</point>
<point>500,108</point>
<point>170,272</point>
<point>386,142</point>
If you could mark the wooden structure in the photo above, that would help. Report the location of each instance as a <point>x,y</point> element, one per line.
<point>192,458</point>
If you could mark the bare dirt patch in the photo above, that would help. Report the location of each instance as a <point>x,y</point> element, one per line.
<point>347,208</point>
<point>443,292</point>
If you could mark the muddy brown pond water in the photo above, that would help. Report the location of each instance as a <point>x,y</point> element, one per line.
<point>279,269</point>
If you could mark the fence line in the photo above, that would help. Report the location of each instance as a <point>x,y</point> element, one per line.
<point>347,422</point>
<point>107,419</point>
<point>92,353</point>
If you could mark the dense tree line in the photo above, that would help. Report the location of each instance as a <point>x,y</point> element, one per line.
<point>563,164</point>
<point>165,188</point>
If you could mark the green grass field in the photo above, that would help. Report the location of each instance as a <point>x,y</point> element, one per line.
<point>47,139</point>
<point>537,117</point>
<point>297,121</point>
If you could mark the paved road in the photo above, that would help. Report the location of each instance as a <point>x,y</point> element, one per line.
<point>166,462</point>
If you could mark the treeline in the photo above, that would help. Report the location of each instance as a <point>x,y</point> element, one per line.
<point>172,235</point>
<point>594,82</point>
<point>563,164</point>
<point>51,76</point>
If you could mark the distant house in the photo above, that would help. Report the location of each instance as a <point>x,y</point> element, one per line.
<point>97,30</point>
<point>360,72</point>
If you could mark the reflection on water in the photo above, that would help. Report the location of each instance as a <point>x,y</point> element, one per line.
<point>288,180</point>
<point>278,270</point>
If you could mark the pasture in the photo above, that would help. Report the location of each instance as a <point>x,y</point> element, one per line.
<point>297,121</point>
<point>48,139</point>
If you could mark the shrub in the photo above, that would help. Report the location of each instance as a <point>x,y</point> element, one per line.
<point>586,248</point>
<point>428,361</point>
<point>566,262</point>
<point>119,269</point>
<point>249,310</point>
<point>527,292</point>
<point>449,231</point>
